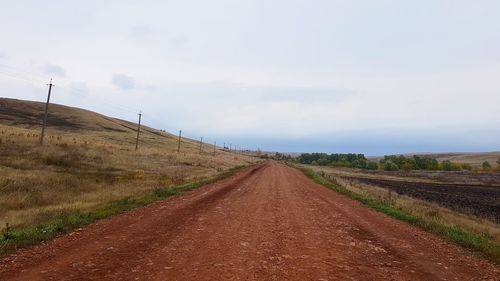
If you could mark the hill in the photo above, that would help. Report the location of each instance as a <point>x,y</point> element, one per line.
<point>89,160</point>
<point>71,120</point>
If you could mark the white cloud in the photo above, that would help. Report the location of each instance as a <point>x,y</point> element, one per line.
<point>140,31</point>
<point>285,69</point>
<point>54,69</point>
<point>123,82</point>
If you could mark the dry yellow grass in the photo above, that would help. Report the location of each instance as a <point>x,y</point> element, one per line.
<point>88,160</point>
<point>474,159</point>
<point>423,209</point>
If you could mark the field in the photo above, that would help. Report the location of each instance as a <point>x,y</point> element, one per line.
<point>468,201</point>
<point>475,159</point>
<point>479,200</point>
<point>87,161</point>
<point>267,222</point>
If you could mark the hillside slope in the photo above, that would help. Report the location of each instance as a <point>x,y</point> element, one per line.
<point>29,115</point>
<point>89,160</point>
<point>87,126</point>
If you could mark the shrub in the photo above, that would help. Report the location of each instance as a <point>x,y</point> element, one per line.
<point>450,166</point>
<point>390,166</point>
<point>406,167</point>
<point>359,163</point>
<point>486,165</point>
<point>323,162</point>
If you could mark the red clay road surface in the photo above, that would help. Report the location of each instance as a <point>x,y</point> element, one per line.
<point>268,222</point>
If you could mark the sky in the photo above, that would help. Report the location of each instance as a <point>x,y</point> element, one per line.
<point>373,77</point>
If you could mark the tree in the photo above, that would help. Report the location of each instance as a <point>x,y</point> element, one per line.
<point>425,163</point>
<point>486,165</point>
<point>323,162</point>
<point>406,167</point>
<point>390,166</point>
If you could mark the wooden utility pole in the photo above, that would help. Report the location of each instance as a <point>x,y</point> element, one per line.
<point>138,131</point>
<point>179,142</point>
<point>46,112</point>
<point>201,143</point>
<point>230,145</point>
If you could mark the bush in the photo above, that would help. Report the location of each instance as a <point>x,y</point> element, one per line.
<point>486,165</point>
<point>359,163</point>
<point>406,167</point>
<point>323,162</point>
<point>447,165</point>
<point>390,166</point>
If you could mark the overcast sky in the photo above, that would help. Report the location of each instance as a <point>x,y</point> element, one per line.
<point>373,77</point>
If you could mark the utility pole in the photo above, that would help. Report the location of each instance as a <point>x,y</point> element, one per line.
<point>201,143</point>
<point>224,147</point>
<point>215,144</point>
<point>46,111</point>
<point>179,142</point>
<point>230,145</point>
<point>138,131</point>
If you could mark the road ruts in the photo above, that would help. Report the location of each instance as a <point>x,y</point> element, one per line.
<point>268,222</point>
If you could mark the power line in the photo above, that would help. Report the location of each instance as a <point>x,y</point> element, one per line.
<point>11,72</point>
<point>20,74</point>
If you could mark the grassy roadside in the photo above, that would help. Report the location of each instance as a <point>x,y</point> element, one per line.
<point>13,239</point>
<point>480,244</point>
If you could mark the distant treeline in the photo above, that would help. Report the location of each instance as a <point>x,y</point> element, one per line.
<point>337,159</point>
<point>400,162</point>
<point>388,163</point>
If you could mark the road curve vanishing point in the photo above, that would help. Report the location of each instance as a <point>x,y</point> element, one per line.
<point>268,222</point>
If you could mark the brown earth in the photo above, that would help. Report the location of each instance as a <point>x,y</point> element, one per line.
<point>479,200</point>
<point>268,222</point>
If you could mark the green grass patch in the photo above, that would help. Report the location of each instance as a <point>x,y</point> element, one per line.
<point>13,239</point>
<point>481,244</point>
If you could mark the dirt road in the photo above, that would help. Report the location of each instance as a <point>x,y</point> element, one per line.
<point>267,223</point>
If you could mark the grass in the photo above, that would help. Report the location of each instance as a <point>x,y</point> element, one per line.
<point>88,168</point>
<point>479,243</point>
<point>82,170</point>
<point>12,239</point>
